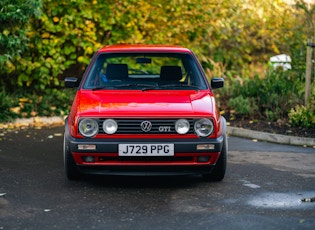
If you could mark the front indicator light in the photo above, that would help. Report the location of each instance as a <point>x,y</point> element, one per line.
<point>205,147</point>
<point>88,127</point>
<point>203,127</point>
<point>86,147</point>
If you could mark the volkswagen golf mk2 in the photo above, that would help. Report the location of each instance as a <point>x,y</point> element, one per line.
<point>145,110</point>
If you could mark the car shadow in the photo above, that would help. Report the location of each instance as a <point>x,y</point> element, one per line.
<point>186,181</point>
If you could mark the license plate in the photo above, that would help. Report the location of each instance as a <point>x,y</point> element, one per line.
<point>146,150</point>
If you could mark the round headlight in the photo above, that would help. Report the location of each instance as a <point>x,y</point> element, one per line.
<point>88,127</point>
<point>203,127</point>
<point>182,126</point>
<point>110,126</point>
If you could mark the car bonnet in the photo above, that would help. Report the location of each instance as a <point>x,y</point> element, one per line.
<point>136,103</point>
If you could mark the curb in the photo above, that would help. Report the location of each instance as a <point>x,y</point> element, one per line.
<point>33,122</point>
<point>232,131</point>
<point>270,137</point>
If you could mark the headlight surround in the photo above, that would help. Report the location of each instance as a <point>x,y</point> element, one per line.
<point>203,127</point>
<point>88,127</point>
<point>182,126</point>
<point>110,126</point>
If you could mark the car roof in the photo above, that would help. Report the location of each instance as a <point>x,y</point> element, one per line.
<point>124,48</point>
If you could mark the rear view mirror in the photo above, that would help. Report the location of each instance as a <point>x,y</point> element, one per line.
<point>143,60</point>
<point>217,83</point>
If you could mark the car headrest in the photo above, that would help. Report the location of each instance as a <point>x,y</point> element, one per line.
<point>171,73</point>
<point>117,71</point>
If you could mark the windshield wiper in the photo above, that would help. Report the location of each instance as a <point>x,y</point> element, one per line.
<point>180,85</point>
<point>133,85</point>
<point>146,86</point>
<point>103,87</point>
<point>117,86</point>
<point>172,85</point>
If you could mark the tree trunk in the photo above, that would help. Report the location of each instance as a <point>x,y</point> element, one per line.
<point>308,74</point>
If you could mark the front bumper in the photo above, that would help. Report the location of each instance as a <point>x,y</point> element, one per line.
<point>186,160</point>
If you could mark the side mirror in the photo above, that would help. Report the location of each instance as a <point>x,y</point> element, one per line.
<point>71,82</point>
<point>217,83</point>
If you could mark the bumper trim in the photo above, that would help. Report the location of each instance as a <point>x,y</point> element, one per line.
<point>111,145</point>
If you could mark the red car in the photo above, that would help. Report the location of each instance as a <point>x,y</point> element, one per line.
<point>145,110</point>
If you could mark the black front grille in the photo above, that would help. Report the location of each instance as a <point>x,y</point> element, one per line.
<point>133,126</point>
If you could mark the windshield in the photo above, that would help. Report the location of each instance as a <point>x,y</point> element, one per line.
<point>145,71</point>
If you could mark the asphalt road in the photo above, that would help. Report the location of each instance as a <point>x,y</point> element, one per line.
<point>263,189</point>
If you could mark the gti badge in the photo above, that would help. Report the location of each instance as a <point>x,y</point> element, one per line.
<point>165,129</point>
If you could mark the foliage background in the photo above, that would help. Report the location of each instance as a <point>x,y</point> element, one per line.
<point>44,41</point>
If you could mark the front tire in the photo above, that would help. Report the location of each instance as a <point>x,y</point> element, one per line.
<point>71,169</point>
<point>218,172</point>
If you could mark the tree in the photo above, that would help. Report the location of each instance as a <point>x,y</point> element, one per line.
<point>15,16</point>
<point>309,13</point>
<point>235,33</point>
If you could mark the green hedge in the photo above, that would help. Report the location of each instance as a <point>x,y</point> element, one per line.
<point>42,42</point>
<point>62,36</point>
<point>23,104</point>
